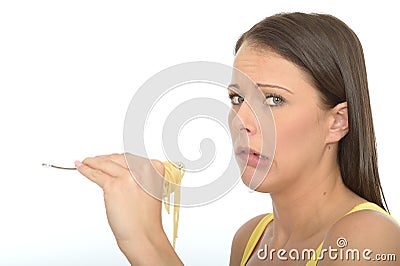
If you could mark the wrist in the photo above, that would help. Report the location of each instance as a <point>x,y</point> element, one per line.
<point>150,251</point>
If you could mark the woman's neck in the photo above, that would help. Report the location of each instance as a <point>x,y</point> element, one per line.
<point>311,207</point>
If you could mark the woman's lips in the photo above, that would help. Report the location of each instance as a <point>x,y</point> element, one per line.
<point>252,157</point>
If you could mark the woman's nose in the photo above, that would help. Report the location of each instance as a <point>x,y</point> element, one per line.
<point>245,119</point>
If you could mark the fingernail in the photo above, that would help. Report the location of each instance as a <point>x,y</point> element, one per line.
<point>78,164</point>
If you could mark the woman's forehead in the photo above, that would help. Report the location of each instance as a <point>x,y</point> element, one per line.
<point>268,67</point>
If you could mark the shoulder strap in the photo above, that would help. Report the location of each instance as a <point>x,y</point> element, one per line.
<point>369,206</point>
<point>255,236</point>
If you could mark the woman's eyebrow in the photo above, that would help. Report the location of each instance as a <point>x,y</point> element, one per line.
<point>236,86</point>
<point>274,87</point>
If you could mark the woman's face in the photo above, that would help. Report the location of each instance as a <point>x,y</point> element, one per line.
<point>300,122</point>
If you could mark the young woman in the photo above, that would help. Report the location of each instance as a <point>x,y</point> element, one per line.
<point>323,181</point>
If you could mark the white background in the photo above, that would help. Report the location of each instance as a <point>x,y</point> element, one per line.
<point>68,70</point>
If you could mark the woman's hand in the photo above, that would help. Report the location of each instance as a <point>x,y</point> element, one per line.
<point>134,215</point>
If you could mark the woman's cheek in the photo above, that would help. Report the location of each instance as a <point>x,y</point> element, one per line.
<point>294,135</point>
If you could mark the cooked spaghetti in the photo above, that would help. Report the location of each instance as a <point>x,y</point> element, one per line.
<point>173,175</point>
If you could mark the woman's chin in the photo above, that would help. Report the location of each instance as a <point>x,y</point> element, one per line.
<point>255,181</point>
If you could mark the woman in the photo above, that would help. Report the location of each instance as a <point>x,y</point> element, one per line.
<point>323,181</point>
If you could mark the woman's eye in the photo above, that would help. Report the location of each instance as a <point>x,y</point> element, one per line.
<point>236,99</point>
<point>274,100</point>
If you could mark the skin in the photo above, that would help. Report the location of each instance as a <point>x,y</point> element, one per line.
<point>308,195</point>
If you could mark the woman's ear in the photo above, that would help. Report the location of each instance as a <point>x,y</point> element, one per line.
<point>338,123</point>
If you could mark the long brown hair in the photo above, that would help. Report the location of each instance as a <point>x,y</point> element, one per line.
<point>330,52</point>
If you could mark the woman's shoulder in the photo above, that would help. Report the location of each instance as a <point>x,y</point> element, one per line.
<point>241,238</point>
<point>367,230</point>
<point>367,218</point>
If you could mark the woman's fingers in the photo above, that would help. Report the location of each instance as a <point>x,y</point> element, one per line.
<point>100,169</point>
<point>94,175</point>
<point>106,165</point>
<point>118,158</point>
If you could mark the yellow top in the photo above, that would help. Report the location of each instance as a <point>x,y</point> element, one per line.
<point>260,228</point>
